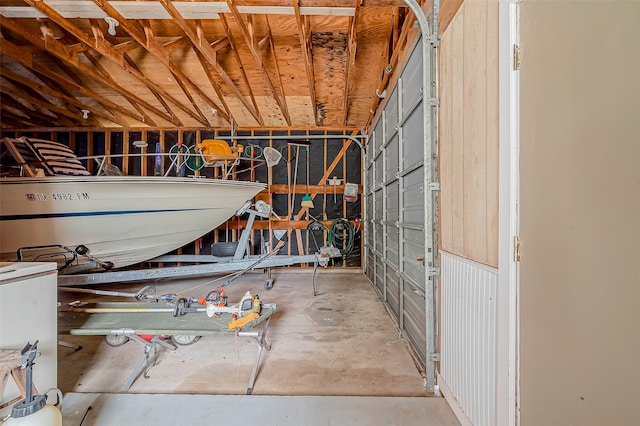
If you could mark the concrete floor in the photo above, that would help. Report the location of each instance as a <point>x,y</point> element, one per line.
<point>338,343</point>
<point>159,410</point>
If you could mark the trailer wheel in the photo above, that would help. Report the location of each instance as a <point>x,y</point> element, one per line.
<point>116,340</point>
<point>268,285</point>
<point>184,340</point>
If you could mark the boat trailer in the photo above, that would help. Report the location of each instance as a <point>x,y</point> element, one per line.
<point>241,261</point>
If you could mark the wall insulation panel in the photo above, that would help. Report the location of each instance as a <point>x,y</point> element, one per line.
<point>468,133</point>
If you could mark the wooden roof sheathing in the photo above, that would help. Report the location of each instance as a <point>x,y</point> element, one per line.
<point>199,64</point>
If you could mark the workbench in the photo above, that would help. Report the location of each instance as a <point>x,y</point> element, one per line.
<point>132,325</point>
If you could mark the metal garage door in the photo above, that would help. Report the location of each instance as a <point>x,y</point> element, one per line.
<point>400,208</point>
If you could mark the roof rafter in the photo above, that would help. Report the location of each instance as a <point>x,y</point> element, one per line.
<point>147,119</point>
<point>51,92</point>
<point>112,39</point>
<point>105,49</point>
<point>153,46</point>
<point>60,50</point>
<point>209,54</point>
<point>62,65</point>
<point>175,44</point>
<point>125,46</point>
<point>149,33</point>
<point>17,54</point>
<point>248,31</point>
<point>9,113</point>
<point>305,44</point>
<point>236,56</point>
<point>60,86</point>
<point>17,111</point>
<point>98,34</point>
<point>272,48</point>
<point>351,59</point>
<point>19,108</point>
<point>57,111</point>
<point>214,84</point>
<point>188,95</point>
<point>23,85</point>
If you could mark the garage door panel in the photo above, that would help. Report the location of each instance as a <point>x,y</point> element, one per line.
<point>413,258</point>
<point>379,230</point>
<point>369,272</point>
<point>379,271</point>
<point>377,139</point>
<point>398,173</point>
<point>411,78</point>
<point>392,198</point>
<point>393,293</point>
<point>391,159</point>
<point>413,198</point>
<point>413,141</point>
<point>378,208</point>
<point>414,318</point>
<point>391,116</point>
<point>392,252</point>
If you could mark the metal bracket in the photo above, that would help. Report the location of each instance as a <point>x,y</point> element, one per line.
<point>433,40</point>
<point>435,357</point>
<point>434,272</point>
<point>432,102</point>
<point>434,186</point>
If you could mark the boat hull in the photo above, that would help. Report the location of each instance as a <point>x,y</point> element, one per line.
<point>122,220</point>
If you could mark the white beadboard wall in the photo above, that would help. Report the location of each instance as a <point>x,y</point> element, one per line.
<point>468,336</point>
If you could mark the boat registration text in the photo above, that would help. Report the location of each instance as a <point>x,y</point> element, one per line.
<point>58,196</point>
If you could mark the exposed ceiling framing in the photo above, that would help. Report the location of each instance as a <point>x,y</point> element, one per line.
<point>200,64</point>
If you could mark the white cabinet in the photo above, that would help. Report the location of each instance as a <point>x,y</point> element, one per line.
<point>28,312</point>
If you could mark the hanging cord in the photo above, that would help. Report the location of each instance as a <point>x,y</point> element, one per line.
<point>315,226</point>
<point>342,236</point>
<point>295,179</point>
<point>252,151</point>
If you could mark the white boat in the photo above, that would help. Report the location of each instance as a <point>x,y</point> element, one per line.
<point>105,221</point>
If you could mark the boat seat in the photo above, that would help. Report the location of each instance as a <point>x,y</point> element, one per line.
<point>18,154</point>
<point>60,159</point>
<point>213,150</point>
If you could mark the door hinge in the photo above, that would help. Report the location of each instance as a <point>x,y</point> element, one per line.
<point>516,248</point>
<point>516,57</point>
